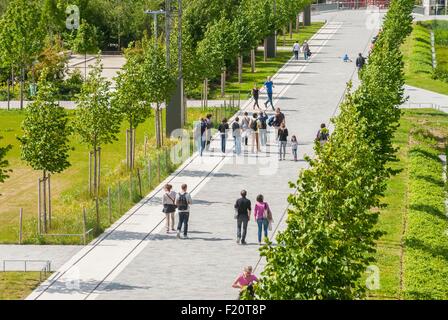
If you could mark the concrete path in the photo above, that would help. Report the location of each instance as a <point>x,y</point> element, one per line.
<point>13,257</point>
<point>421,98</point>
<point>136,259</point>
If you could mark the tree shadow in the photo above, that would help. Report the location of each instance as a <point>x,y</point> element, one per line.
<point>423,153</point>
<point>434,250</point>
<point>429,179</point>
<point>429,210</point>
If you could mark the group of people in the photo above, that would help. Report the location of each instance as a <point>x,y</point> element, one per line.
<point>305,48</point>
<point>181,201</point>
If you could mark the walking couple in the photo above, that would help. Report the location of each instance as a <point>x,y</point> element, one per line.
<point>262,215</point>
<point>180,201</point>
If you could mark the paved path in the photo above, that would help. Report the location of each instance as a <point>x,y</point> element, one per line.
<point>136,259</point>
<point>12,257</point>
<point>421,98</point>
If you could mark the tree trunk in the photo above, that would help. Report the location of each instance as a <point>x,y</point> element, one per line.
<point>265,52</point>
<point>252,60</point>
<point>158,140</point>
<point>297,22</point>
<point>240,68</point>
<point>22,85</point>
<point>284,36</point>
<point>290,29</point>
<point>223,81</point>
<point>95,168</point>
<point>45,200</point>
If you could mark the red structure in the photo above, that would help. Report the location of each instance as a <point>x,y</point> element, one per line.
<point>358,4</point>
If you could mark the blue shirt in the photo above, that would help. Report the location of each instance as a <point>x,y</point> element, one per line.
<point>269,85</point>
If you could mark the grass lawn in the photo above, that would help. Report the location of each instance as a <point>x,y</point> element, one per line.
<point>413,254</point>
<point>70,188</point>
<point>418,60</point>
<point>17,285</point>
<point>263,68</point>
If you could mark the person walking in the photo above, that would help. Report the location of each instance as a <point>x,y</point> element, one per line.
<point>256,95</point>
<point>169,206</point>
<point>294,147</point>
<point>245,127</point>
<point>306,50</point>
<point>263,216</point>
<point>269,85</point>
<point>278,120</point>
<point>243,209</point>
<point>183,203</point>
<point>246,279</point>
<point>360,62</point>
<point>263,127</point>
<point>198,135</point>
<point>236,132</point>
<point>223,127</point>
<point>282,140</point>
<point>323,134</point>
<point>209,127</point>
<point>296,50</point>
<point>254,132</point>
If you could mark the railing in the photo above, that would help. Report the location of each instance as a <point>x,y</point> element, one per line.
<point>419,10</point>
<point>421,105</point>
<point>348,5</point>
<point>42,273</point>
<point>82,236</point>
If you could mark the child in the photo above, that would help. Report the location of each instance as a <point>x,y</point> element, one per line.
<point>346,58</point>
<point>255,95</point>
<point>294,146</point>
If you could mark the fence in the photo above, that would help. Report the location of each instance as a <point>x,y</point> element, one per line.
<point>46,269</point>
<point>348,5</point>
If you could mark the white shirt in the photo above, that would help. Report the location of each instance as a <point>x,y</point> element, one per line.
<point>296,47</point>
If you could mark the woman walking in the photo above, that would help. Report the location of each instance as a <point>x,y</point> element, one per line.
<point>169,206</point>
<point>245,127</point>
<point>294,147</point>
<point>256,95</point>
<point>263,216</point>
<point>282,141</point>
<point>254,130</point>
<point>223,127</point>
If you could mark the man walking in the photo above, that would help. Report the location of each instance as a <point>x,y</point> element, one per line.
<point>183,202</point>
<point>242,213</point>
<point>360,62</point>
<point>269,85</point>
<point>296,50</point>
<point>306,50</point>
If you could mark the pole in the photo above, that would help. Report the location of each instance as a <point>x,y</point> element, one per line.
<point>20,225</point>
<point>84,225</point>
<point>180,62</point>
<point>149,172</point>
<point>109,205</point>
<point>139,182</point>
<point>38,207</point>
<point>119,197</point>
<point>9,92</point>
<point>49,201</point>
<point>158,167</point>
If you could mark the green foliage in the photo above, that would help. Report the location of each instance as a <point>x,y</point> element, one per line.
<point>71,86</point>
<point>96,121</point>
<point>86,39</point>
<point>45,139</point>
<point>3,162</point>
<point>331,232</point>
<point>127,98</point>
<point>21,33</point>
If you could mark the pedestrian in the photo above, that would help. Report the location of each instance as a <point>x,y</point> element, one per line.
<point>296,50</point>
<point>269,85</point>
<point>263,119</point>
<point>169,206</point>
<point>263,216</point>
<point>245,280</point>
<point>198,135</point>
<point>245,127</point>
<point>243,209</point>
<point>223,127</point>
<point>294,147</point>
<point>346,58</point>
<point>360,62</point>
<point>282,140</point>
<point>183,203</point>
<point>209,127</point>
<point>236,132</point>
<point>256,95</point>
<point>323,134</point>
<point>306,50</point>
<point>278,120</point>
<point>254,132</point>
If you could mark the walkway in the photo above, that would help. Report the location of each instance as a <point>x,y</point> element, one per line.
<point>136,259</point>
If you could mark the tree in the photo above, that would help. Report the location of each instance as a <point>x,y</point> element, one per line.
<point>159,81</point>
<point>21,37</point>
<point>3,162</point>
<point>45,144</point>
<point>128,100</point>
<point>96,122</point>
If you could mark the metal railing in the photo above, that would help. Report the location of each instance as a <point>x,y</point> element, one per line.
<point>419,10</point>
<point>422,105</point>
<point>82,236</point>
<point>43,272</point>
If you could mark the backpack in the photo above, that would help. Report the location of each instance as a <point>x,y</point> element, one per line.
<point>182,202</point>
<point>323,135</point>
<point>253,125</point>
<point>271,121</point>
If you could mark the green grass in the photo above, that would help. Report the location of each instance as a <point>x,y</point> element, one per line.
<point>263,68</point>
<point>17,285</point>
<point>418,60</point>
<point>415,198</point>
<point>70,188</point>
